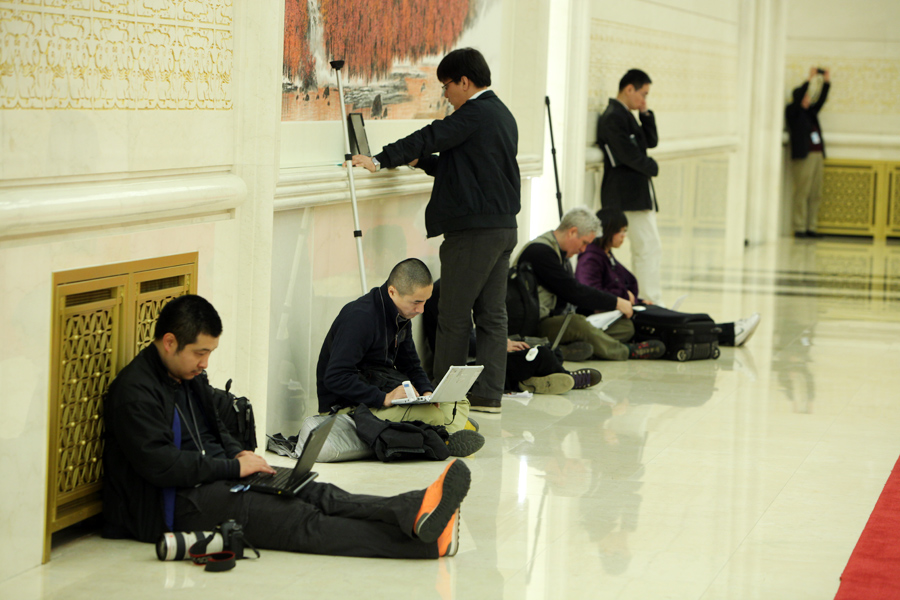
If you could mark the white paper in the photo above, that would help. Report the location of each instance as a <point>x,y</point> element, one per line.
<point>604,320</point>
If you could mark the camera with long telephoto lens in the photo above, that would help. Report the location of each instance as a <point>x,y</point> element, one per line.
<point>179,545</point>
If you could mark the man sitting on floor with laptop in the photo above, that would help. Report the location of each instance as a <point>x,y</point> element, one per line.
<point>549,256</point>
<point>170,465</point>
<point>369,352</point>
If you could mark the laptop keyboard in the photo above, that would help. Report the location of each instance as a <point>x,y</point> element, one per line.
<point>279,479</point>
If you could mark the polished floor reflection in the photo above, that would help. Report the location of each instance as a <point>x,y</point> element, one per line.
<point>747,477</point>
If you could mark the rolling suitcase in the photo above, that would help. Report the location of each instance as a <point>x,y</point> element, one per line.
<point>686,336</point>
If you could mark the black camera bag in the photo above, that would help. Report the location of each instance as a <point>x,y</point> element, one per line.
<point>237,416</point>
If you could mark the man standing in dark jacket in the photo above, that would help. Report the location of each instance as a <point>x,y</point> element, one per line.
<point>474,203</point>
<point>169,465</point>
<point>369,351</point>
<point>807,154</point>
<point>627,175</point>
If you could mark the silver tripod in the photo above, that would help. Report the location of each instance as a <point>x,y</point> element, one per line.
<point>337,65</point>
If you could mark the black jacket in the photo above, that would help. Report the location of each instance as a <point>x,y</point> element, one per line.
<point>627,170</point>
<point>800,122</point>
<point>555,275</point>
<point>140,457</point>
<point>368,332</point>
<point>476,176</point>
<point>405,440</point>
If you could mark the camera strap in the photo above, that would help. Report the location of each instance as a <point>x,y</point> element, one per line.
<point>214,561</point>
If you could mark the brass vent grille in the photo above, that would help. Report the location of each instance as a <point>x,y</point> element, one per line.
<point>89,297</point>
<point>154,285</point>
<point>102,318</point>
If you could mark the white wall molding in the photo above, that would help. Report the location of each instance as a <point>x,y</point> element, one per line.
<point>667,150</point>
<point>862,140</point>
<point>314,186</point>
<point>675,149</point>
<point>41,209</point>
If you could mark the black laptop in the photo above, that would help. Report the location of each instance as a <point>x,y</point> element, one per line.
<point>287,481</point>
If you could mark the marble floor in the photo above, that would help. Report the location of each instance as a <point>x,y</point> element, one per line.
<point>750,476</point>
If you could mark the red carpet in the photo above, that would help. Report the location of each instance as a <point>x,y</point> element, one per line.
<point>873,571</point>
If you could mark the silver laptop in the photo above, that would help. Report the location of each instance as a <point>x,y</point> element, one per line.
<point>452,388</point>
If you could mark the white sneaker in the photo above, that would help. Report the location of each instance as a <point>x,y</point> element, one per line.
<point>744,328</point>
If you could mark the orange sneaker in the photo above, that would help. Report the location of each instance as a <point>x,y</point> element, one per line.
<point>441,501</point>
<point>448,543</point>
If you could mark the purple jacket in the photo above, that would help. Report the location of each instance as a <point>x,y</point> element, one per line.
<point>605,273</point>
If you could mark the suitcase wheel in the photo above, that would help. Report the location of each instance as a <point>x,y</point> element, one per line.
<point>716,353</point>
<point>682,355</point>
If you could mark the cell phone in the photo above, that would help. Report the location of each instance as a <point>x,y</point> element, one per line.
<point>408,388</point>
<point>820,71</point>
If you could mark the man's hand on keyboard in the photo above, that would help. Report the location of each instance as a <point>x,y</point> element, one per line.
<point>253,463</point>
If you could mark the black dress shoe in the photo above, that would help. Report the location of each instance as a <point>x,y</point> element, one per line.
<point>814,234</point>
<point>800,234</point>
<point>480,404</point>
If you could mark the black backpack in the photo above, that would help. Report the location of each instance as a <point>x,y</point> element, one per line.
<point>237,416</point>
<point>523,308</point>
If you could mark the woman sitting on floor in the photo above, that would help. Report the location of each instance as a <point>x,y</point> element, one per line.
<point>597,267</point>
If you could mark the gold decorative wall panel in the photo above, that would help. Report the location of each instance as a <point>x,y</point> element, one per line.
<point>102,318</point>
<point>152,290</point>
<point>116,54</point>
<point>893,218</point>
<point>689,73</point>
<point>88,363</point>
<point>860,198</point>
<point>848,197</point>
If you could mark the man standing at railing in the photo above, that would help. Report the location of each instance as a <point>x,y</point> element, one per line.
<point>807,154</point>
<point>627,175</point>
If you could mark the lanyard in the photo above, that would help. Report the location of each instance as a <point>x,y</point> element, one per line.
<point>197,439</point>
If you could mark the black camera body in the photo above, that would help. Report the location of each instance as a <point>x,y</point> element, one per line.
<point>232,537</point>
<point>180,545</point>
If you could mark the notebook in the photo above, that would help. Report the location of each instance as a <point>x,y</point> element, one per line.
<point>452,388</point>
<point>287,481</point>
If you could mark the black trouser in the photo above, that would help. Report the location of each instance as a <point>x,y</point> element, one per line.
<point>726,338</point>
<point>323,519</point>
<point>519,369</point>
<point>474,268</point>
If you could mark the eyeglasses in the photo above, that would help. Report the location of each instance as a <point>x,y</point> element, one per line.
<point>446,85</point>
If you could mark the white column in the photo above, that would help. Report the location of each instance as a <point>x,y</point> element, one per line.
<point>258,58</point>
<point>766,117</point>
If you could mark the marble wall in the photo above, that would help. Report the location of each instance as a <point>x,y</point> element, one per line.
<point>693,54</point>
<point>861,46</point>
<point>131,129</point>
<point>128,130</point>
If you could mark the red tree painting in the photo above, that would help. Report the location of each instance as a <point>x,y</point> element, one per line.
<point>373,33</point>
<point>299,63</point>
<point>371,36</point>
